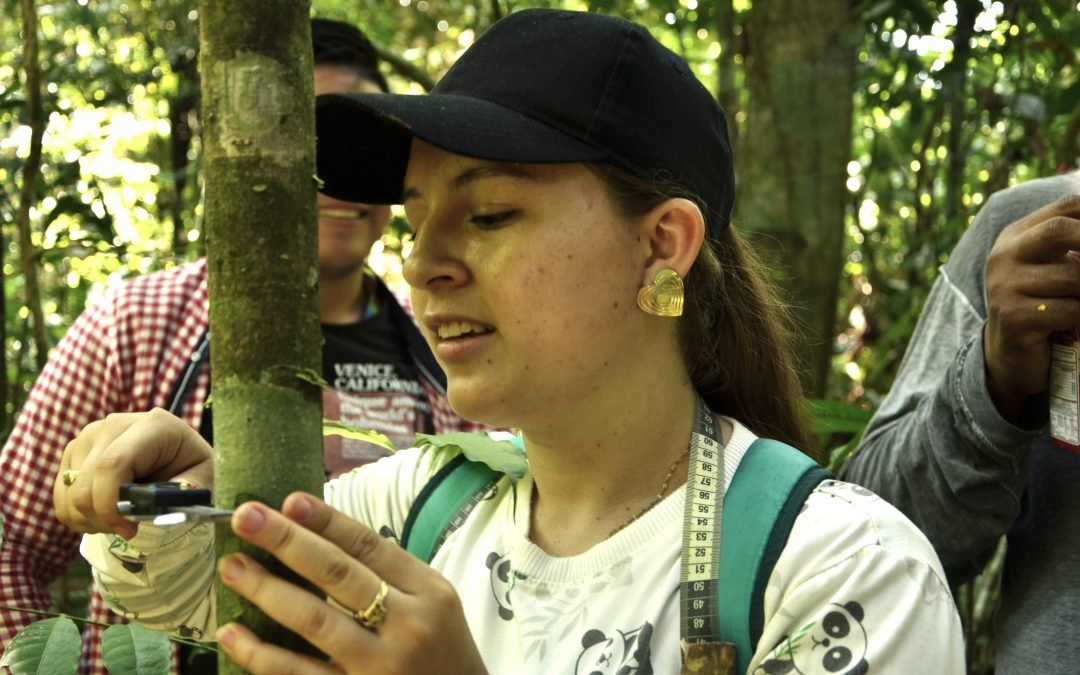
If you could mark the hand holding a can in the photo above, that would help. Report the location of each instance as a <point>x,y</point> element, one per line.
<point>1033,290</point>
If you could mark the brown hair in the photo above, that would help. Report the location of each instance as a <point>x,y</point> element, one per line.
<point>735,333</point>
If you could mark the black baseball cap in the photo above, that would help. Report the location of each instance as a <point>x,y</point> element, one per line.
<point>540,86</point>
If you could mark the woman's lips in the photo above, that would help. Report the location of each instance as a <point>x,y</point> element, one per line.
<point>455,329</point>
<point>458,340</point>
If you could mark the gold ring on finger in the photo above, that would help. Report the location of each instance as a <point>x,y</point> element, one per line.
<point>69,476</point>
<point>372,617</point>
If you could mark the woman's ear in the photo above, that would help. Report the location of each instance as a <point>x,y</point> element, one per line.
<point>675,230</point>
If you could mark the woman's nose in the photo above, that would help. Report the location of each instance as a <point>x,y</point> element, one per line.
<point>433,261</point>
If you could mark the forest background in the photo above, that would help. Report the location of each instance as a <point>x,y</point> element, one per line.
<point>867,134</point>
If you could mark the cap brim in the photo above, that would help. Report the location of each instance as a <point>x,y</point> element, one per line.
<point>364,139</point>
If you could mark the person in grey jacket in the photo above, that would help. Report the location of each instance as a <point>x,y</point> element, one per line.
<point>961,444</point>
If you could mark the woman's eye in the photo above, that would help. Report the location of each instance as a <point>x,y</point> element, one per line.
<point>491,221</point>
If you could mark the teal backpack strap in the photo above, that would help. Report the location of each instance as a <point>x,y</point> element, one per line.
<point>766,494</point>
<point>444,503</point>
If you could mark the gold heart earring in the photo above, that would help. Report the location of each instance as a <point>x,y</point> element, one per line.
<point>664,296</point>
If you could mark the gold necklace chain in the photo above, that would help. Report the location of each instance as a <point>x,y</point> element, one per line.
<point>659,495</point>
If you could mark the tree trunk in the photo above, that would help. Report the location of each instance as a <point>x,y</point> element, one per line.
<point>801,71</point>
<point>726,19</point>
<point>30,170</point>
<point>955,80</point>
<point>258,122</point>
<point>181,107</point>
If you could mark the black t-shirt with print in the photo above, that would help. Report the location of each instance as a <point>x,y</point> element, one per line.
<point>373,386</point>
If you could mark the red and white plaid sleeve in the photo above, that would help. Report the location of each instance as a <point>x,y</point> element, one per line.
<point>80,383</point>
<point>123,354</point>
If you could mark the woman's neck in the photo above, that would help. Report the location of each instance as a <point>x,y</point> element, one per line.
<point>594,476</point>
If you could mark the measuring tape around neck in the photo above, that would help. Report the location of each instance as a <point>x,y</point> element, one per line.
<point>701,530</point>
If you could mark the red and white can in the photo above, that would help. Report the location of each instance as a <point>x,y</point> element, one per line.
<point>1065,390</point>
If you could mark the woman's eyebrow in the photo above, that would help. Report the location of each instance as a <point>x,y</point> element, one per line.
<point>475,173</point>
<point>488,170</point>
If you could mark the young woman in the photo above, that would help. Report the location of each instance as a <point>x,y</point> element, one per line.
<point>570,184</point>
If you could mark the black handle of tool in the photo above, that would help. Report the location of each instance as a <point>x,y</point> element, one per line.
<point>148,499</point>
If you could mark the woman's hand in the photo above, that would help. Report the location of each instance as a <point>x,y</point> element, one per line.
<point>123,448</point>
<point>423,630</point>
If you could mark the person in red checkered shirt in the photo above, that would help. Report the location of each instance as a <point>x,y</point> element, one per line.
<point>144,345</point>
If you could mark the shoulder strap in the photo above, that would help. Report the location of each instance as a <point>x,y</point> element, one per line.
<point>180,391</point>
<point>182,388</point>
<point>766,494</point>
<point>443,504</point>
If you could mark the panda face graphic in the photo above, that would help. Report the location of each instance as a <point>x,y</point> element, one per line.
<point>840,639</point>
<point>834,644</point>
<point>503,577</point>
<point>619,654</point>
<point>602,654</point>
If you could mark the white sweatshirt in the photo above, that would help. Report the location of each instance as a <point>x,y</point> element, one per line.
<point>856,590</point>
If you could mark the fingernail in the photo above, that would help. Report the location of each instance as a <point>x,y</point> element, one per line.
<point>226,636</point>
<point>249,519</point>
<point>232,568</point>
<point>299,508</point>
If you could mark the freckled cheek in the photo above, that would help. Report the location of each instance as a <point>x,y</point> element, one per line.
<point>547,298</point>
<point>554,293</point>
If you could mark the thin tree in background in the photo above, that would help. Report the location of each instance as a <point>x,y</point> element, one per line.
<point>31,169</point>
<point>262,238</point>
<point>955,80</point>
<point>801,73</point>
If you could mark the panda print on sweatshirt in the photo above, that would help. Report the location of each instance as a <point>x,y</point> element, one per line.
<point>834,644</point>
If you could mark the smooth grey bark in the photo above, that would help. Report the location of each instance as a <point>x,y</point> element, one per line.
<point>262,242</point>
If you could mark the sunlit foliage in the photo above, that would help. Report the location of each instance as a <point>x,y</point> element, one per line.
<point>1016,117</point>
<point>111,199</point>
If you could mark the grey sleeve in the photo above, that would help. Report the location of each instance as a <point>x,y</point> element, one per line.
<point>937,448</point>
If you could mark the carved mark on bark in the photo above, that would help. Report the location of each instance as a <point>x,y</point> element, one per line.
<point>252,93</point>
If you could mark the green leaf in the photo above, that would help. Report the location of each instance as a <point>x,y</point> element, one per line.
<point>502,456</point>
<point>311,376</point>
<point>836,417</point>
<point>132,650</point>
<point>339,428</point>
<point>48,647</point>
